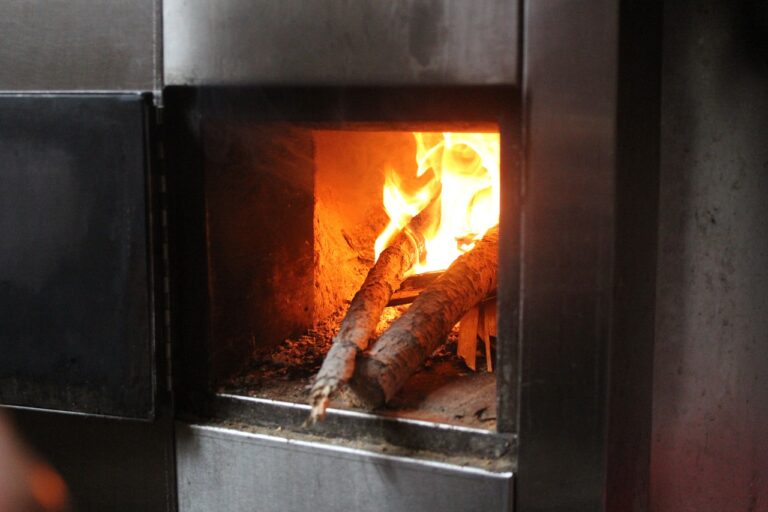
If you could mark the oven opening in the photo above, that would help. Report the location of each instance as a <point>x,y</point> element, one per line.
<point>298,215</point>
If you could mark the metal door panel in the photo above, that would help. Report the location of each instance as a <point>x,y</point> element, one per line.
<point>75,317</point>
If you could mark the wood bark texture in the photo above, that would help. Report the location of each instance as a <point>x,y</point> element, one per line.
<point>364,312</point>
<point>400,351</point>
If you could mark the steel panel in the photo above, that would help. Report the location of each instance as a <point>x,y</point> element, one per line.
<point>80,45</point>
<point>710,417</point>
<point>336,42</point>
<point>74,279</point>
<point>238,471</point>
<point>569,95</point>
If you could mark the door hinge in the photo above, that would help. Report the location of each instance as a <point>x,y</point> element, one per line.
<point>161,205</point>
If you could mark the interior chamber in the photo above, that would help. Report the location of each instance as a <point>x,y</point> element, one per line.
<point>293,211</point>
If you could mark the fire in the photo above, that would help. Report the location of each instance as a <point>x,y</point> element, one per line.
<point>463,170</point>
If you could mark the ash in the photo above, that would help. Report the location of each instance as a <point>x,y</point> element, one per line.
<point>299,359</point>
<point>444,390</point>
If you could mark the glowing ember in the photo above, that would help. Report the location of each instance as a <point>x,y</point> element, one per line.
<point>465,168</point>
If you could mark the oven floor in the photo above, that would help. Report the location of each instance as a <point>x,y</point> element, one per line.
<point>443,391</point>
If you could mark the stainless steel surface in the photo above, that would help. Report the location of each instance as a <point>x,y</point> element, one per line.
<point>337,42</point>
<point>583,196</point>
<point>77,45</point>
<point>226,469</point>
<point>373,428</point>
<point>710,448</point>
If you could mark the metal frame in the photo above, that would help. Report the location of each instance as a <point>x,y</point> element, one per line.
<point>590,113</point>
<point>196,379</point>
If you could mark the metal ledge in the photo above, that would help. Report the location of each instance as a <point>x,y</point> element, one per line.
<point>336,42</point>
<point>354,425</point>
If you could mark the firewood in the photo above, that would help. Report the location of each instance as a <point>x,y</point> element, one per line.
<point>398,353</point>
<point>466,348</point>
<point>489,315</point>
<point>412,287</point>
<point>478,322</point>
<point>488,329</point>
<point>365,310</point>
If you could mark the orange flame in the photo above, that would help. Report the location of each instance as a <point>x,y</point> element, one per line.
<point>466,167</point>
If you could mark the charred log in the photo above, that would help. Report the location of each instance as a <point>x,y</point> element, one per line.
<point>400,351</point>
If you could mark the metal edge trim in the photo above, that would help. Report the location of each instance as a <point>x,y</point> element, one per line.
<point>284,442</point>
<point>74,92</point>
<point>48,410</point>
<point>363,415</point>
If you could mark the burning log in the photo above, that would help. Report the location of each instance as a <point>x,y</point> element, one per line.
<point>366,308</point>
<point>399,352</point>
<point>412,287</point>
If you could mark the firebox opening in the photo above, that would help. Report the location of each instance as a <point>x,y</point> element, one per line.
<point>296,217</point>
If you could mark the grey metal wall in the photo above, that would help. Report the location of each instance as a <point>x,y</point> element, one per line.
<point>710,438</point>
<point>337,42</point>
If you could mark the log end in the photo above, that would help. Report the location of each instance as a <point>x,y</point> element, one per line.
<point>336,370</point>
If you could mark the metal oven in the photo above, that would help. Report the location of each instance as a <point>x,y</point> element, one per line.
<point>189,249</point>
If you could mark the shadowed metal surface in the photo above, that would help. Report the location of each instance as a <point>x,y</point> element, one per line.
<point>336,42</point>
<point>710,423</point>
<point>591,108</point>
<point>107,464</point>
<point>569,95</point>
<point>248,472</point>
<point>80,45</point>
